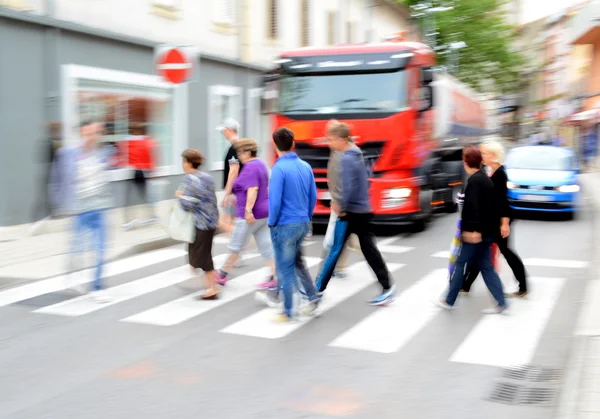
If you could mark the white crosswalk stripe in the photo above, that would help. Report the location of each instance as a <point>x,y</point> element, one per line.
<point>59,283</point>
<point>386,331</point>
<point>511,339</point>
<point>183,309</point>
<point>85,305</point>
<point>550,263</point>
<point>261,324</point>
<point>499,341</point>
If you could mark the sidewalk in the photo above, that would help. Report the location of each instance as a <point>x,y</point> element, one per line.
<point>31,252</point>
<point>580,398</point>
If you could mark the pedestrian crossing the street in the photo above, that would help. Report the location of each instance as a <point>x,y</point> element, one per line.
<point>500,341</point>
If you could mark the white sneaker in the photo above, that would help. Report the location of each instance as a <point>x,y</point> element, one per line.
<point>444,305</point>
<point>100,297</point>
<point>495,310</point>
<point>130,225</point>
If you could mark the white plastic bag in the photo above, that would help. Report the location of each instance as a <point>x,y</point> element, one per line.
<point>181,223</point>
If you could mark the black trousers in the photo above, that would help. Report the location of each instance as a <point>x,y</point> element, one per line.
<point>358,224</point>
<point>140,184</point>
<point>513,260</point>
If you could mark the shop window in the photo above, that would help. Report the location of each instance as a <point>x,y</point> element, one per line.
<point>129,104</point>
<point>258,124</point>
<point>224,102</point>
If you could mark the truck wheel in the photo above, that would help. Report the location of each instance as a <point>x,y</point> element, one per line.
<point>451,207</point>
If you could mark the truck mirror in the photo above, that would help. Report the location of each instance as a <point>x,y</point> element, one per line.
<point>426,76</point>
<point>426,98</point>
<point>269,100</point>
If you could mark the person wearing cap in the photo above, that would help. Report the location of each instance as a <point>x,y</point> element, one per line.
<point>231,167</point>
<point>251,189</point>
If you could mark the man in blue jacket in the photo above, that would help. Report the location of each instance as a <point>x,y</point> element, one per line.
<point>79,186</point>
<point>354,216</point>
<point>292,200</point>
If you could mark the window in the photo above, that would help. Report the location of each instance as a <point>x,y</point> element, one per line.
<point>331,27</point>
<point>224,102</point>
<point>272,19</point>
<point>350,32</point>
<point>168,4</point>
<point>127,103</point>
<point>304,23</point>
<point>224,11</point>
<point>329,94</point>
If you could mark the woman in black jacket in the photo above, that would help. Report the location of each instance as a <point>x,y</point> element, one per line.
<point>493,153</point>
<point>479,226</point>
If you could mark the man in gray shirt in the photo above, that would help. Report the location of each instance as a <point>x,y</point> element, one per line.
<point>334,182</point>
<point>354,216</point>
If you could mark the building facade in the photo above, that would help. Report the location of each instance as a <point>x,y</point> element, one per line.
<point>68,60</point>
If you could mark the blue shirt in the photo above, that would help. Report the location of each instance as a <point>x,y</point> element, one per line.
<point>292,191</point>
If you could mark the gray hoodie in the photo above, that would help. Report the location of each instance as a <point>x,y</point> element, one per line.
<point>334,174</point>
<point>355,182</point>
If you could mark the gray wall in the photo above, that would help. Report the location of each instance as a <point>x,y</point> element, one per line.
<point>30,58</point>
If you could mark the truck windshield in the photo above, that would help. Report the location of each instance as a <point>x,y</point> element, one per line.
<point>346,93</point>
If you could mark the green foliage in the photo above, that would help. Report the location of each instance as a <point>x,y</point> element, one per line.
<point>489,54</point>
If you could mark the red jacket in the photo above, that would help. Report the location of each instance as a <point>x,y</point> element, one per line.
<point>139,153</point>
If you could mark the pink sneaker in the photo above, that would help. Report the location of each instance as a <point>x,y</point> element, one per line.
<point>221,279</point>
<point>272,283</point>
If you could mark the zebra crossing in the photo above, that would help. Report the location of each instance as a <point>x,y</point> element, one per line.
<point>501,341</point>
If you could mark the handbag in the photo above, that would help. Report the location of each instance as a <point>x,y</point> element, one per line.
<point>181,222</point>
<point>455,247</point>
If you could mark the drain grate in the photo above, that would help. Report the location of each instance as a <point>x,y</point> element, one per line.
<point>505,393</point>
<point>532,373</point>
<point>537,396</point>
<point>526,385</point>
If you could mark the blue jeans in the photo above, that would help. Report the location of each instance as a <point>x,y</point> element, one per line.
<point>479,253</point>
<point>93,222</point>
<point>287,246</point>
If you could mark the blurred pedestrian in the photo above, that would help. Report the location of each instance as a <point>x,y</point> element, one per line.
<point>231,168</point>
<point>141,151</point>
<point>493,156</point>
<point>292,199</point>
<point>80,187</point>
<point>251,190</point>
<point>479,226</point>
<point>51,144</point>
<point>334,183</point>
<point>354,216</point>
<point>197,195</point>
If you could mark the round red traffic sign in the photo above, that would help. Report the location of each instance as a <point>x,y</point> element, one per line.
<point>174,66</point>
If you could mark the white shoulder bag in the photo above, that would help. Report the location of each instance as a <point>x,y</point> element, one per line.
<point>181,222</point>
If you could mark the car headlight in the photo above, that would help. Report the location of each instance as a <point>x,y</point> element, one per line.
<point>568,188</point>
<point>511,185</point>
<point>397,193</point>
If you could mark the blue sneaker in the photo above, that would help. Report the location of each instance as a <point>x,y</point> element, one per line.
<point>384,298</point>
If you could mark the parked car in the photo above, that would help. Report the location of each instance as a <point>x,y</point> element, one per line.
<point>543,178</point>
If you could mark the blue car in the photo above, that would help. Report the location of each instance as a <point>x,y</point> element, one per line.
<point>543,178</point>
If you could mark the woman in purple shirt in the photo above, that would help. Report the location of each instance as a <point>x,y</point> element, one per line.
<point>251,189</point>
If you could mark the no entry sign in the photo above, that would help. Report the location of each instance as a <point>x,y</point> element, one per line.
<point>174,66</point>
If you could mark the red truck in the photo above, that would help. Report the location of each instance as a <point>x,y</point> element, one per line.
<point>410,121</point>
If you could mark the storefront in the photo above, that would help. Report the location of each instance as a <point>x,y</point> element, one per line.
<point>58,72</point>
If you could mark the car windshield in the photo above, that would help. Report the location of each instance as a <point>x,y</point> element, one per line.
<point>346,93</point>
<point>539,158</point>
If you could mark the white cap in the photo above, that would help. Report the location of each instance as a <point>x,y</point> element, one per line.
<point>229,123</point>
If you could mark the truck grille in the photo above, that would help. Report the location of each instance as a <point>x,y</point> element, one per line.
<point>318,157</point>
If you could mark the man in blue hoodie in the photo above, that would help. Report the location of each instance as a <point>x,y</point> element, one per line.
<point>292,200</point>
<point>354,215</point>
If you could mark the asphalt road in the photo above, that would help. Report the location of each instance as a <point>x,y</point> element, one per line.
<point>154,353</point>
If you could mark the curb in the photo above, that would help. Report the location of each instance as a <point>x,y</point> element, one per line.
<point>569,396</point>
